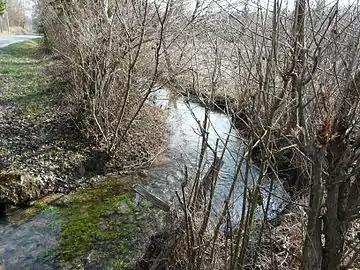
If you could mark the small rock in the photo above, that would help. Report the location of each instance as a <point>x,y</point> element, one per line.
<point>123,208</point>
<point>19,188</point>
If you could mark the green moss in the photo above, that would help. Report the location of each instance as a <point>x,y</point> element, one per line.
<point>103,219</point>
<point>100,223</point>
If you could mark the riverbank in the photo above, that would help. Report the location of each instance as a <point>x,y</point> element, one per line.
<point>39,137</point>
<point>88,219</point>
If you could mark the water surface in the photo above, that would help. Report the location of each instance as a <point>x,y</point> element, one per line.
<point>102,227</point>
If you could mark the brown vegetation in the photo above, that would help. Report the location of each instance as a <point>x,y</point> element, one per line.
<point>290,79</point>
<point>109,55</point>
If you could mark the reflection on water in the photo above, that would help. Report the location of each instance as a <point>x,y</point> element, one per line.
<point>184,122</point>
<point>28,245</point>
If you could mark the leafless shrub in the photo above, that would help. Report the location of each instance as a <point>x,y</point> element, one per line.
<point>290,79</point>
<point>294,78</point>
<point>110,51</point>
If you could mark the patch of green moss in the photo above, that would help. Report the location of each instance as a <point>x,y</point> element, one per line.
<point>104,220</point>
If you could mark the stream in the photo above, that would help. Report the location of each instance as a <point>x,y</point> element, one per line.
<point>184,150</point>
<point>102,227</point>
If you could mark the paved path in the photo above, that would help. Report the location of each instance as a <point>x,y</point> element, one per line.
<point>7,40</point>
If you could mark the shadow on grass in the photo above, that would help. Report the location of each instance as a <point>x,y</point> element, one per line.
<point>36,134</point>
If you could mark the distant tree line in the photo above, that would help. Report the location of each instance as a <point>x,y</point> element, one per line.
<point>2,7</point>
<point>12,14</point>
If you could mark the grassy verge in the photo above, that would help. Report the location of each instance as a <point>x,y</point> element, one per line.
<point>23,81</point>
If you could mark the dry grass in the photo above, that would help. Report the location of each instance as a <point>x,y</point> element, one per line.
<point>283,239</point>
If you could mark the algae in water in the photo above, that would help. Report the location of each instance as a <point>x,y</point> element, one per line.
<point>101,226</point>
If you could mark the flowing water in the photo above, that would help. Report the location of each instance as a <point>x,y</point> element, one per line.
<point>96,228</point>
<point>184,122</point>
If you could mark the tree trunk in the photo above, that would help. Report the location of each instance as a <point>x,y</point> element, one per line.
<point>338,185</point>
<point>312,249</point>
<point>297,70</point>
<point>333,230</point>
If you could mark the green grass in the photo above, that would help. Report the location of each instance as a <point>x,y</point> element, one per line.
<point>101,218</point>
<point>23,80</point>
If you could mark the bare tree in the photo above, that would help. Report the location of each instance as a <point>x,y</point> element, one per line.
<point>111,54</point>
<point>289,80</point>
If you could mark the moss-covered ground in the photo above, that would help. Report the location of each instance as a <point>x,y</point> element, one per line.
<point>99,227</point>
<point>103,224</point>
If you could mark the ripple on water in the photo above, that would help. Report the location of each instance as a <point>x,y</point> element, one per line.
<point>27,244</point>
<point>184,148</point>
<point>101,226</point>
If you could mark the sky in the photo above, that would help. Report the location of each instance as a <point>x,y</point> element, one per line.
<point>29,4</point>
<point>289,3</point>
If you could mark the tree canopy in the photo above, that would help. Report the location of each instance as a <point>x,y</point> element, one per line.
<point>2,7</point>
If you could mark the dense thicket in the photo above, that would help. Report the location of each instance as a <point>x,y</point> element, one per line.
<point>289,79</point>
<point>109,56</point>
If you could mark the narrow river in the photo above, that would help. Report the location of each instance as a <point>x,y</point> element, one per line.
<point>48,238</point>
<point>184,148</point>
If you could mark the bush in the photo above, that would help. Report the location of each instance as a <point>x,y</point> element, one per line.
<point>109,55</point>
